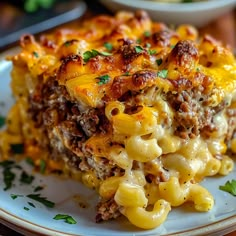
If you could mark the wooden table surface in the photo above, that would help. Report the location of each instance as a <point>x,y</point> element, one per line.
<point>224,29</point>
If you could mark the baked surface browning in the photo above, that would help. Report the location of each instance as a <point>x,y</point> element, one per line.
<point>136,110</point>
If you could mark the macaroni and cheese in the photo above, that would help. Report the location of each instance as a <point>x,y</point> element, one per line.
<point>137,111</point>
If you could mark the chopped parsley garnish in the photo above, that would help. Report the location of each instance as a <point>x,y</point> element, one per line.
<point>8,175</point>
<point>36,55</point>
<point>148,45</point>
<point>103,79</point>
<point>7,164</point>
<point>67,219</point>
<point>230,187</point>
<point>67,44</point>
<point>29,161</point>
<point>89,54</point>
<point>42,166</point>
<point>31,6</point>
<point>138,49</point>
<point>138,41</point>
<point>38,188</point>
<point>42,200</point>
<point>197,69</point>
<point>32,204</point>
<point>172,46</point>
<point>93,53</point>
<point>105,54</point>
<point>17,148</point>
<point>126,74</point>
<point>152,51</point>
<point>26,178</point>
<point>159,61</point>
<point>162,73</point>
<point>147,33</point>
<point>26,208</point>
<point>15,196</point>
<point>2,121</point>
<point>8,178</point>
<point>108,46</point>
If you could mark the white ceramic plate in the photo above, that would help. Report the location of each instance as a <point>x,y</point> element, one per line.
<point>68,196</point>
<point>196,13</point>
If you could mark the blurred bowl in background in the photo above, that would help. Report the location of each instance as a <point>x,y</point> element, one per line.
<point>196,13</point>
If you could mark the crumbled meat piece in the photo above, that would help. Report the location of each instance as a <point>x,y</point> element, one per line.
<point>65,123</point>
<point>102,167</point>
<point>107,210</point>
<point>192,115</point>
<point>89,121</point>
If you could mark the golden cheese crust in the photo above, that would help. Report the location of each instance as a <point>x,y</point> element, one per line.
<point>141,112</point>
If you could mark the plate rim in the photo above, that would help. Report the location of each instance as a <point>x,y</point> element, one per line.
<point>226,225</point>
<point>174,7</point>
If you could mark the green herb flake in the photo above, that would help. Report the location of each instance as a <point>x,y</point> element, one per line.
<point>29,161</point>
<point>7,164</point>
<point>139,41</point>
<point>89,54</point>
<point>152,51</point>
<point>42,166</point>
<point>148,45</point>
<point>105,54</point>
<point>15,196</point>
<point>126,74</point>
<point>36,55</point>
<point>172,46</point>
<point>162,73</point>
<point>8,175</point>
<point>67,44</point>
<point>67,219</point>
<point>26,208</point>
<point>8,178</point>
<point>103,79</point>
<point>2,121</point>
<point>147,33</point>
<point>32,204</point>
<point>17,148</point>
<point>197,69</point>
<point>32,6</point>
<point>138,49</point>
<point>159,61</point>
<point>43,200</point>
<point>38,188</point>
<point>230,187</point>
<point>108,46</point>
<point>17,167</point>
<point>26,178</point>
<point>93,53</point>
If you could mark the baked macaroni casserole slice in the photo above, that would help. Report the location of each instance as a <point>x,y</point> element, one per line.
<point>138,111</point>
